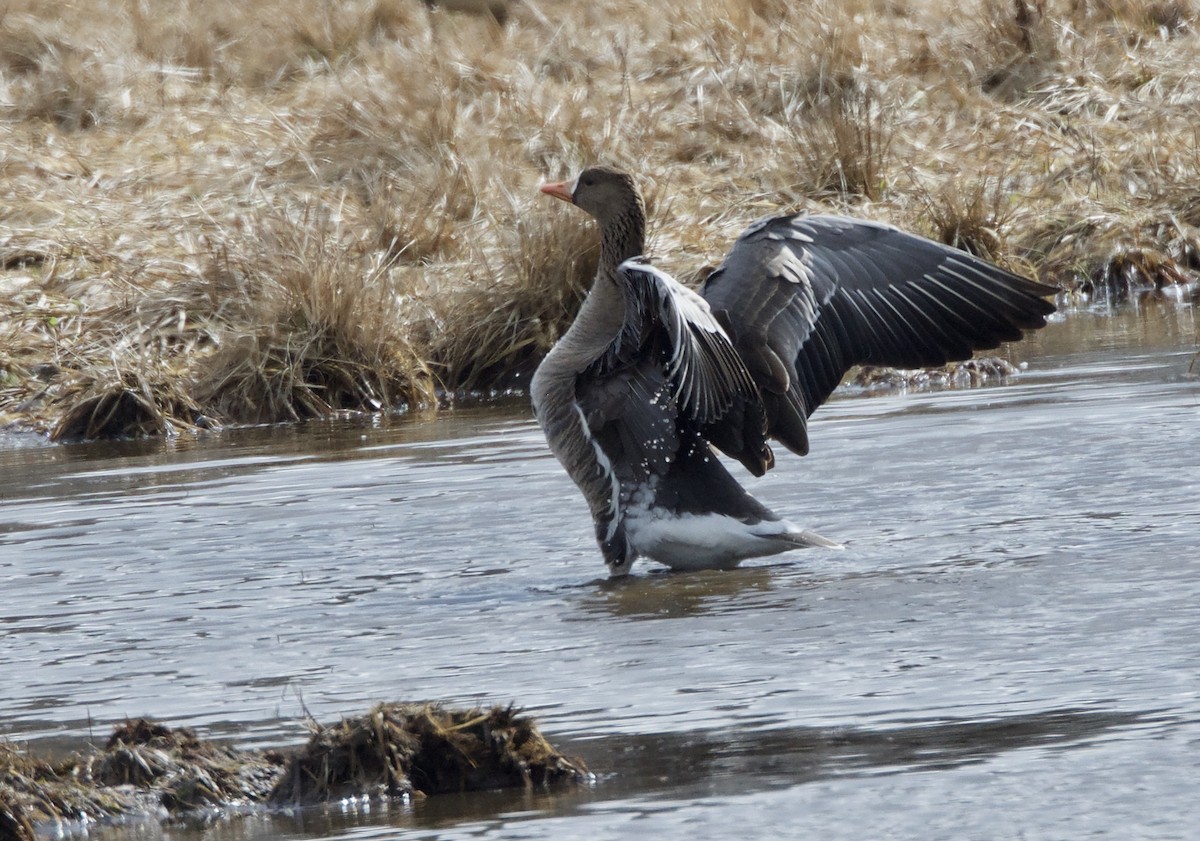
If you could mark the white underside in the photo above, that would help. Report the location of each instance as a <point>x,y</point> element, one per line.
<point>713,541</point>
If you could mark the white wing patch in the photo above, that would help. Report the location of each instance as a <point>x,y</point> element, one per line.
<point>602,461</point>
<point>704,369</point>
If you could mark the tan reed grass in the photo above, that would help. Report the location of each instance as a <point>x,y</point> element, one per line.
<point>228,212</point>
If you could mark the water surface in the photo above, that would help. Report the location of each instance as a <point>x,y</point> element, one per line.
<point>1007,647</point>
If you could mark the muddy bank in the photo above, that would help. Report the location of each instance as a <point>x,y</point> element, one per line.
<point>394,751</point>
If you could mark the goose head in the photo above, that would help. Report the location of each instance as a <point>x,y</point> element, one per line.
<point>611,197</point>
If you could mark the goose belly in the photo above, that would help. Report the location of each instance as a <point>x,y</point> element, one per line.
<point>704,540</point>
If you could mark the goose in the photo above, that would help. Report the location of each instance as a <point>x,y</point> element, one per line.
<point>652,378</point>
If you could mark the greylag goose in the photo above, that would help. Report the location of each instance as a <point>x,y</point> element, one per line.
<point>651,376</point>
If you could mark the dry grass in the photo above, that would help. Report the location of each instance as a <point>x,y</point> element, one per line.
<point>973,215</point>
<point>399,749</point>
<point>493,338</point>
<point>149,769</point>
<point>306,325</point>
<point>227,212</point>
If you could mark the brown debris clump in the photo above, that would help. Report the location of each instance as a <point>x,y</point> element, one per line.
<point>400,749</point>
<point>185,772</point>
<point>1109,259</point>
<point>34,792</point>
<point>396,750</point>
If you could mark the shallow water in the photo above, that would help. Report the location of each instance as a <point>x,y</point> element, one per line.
<point>1008,647</point>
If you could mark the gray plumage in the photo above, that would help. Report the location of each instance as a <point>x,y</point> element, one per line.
<point>650,373</point>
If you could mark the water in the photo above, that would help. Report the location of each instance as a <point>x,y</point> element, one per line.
<point>1009,647</point>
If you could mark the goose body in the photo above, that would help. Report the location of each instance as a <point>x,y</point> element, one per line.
<point>651,376</point>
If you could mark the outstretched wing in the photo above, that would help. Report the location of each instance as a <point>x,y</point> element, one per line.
<point>670,366</point>
<point>805,298</point>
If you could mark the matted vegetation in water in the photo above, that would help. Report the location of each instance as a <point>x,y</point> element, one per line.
<point>242,212</point>
<point>395,750</point>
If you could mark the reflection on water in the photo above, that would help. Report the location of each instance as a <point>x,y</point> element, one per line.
<point>662,595</point>
<point>737,760</point>
<point>1008,640</point>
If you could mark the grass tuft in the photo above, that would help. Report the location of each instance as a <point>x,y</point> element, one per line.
<point>126,406</point>
<point>971,215</point>
<point>491,335</point>
<point>315,326</point>
<point>842,143</point>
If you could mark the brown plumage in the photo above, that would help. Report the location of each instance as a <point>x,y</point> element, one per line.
<point>650,373</point>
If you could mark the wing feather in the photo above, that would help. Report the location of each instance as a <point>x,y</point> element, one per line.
<point>808,297</point>
<point>672,363</point>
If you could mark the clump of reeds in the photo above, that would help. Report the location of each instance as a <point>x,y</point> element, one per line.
<point>399,749</point>
<point>395,750</point>
<point>971,214</point>
<point>491,334</point>
<point>125,404</point>
<point>308,325</point>
<point>1112,258</point>
<point>100,371</point>
<point>843,143</point>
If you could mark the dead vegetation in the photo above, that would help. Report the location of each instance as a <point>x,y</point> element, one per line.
<point>395,750</point>
<point>401,749</point>
<point>307,325</point>
<point>231,212</point>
